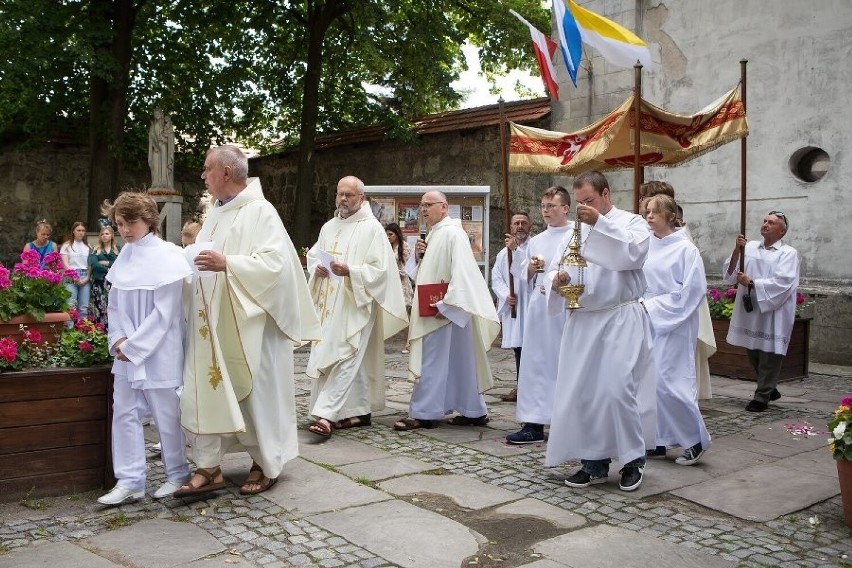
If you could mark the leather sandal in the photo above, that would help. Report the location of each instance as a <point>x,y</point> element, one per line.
<point>256,477</point>
<point>210,483</point>
<point>322,427</point>
<point>353,422</point>
<point>409,423</point>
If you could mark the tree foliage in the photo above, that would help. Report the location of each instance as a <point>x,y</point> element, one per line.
<point>258,72</point>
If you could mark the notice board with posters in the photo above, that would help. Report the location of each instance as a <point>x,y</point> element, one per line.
<point>468,203</point>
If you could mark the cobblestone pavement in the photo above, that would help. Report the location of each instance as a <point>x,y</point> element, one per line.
<point>259,532</point>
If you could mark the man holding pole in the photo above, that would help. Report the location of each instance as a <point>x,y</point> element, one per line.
<point>765,306</point>
<point>511,307</point>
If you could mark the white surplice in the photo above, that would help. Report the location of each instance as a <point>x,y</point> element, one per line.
<point>674,272</point>
<point>775,272</point>
<point>239,390</point>
<point>512,327</point>
<point>447,379</point>
<point>357,313</point>
<point>145,307</point>
<point>542,331</point>
<point>605,391</point>
<point>705,347</point>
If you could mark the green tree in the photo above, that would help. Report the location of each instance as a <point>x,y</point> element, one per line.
<point>254,72</point>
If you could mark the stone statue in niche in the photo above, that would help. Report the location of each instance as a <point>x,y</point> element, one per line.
<point>161,151</point>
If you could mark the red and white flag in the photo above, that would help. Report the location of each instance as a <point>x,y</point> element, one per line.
<point>544,50</point>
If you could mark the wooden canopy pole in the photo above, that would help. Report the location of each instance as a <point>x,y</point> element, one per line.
<point>638,171</point>
<point>504,160</point>
<point>743,64</point>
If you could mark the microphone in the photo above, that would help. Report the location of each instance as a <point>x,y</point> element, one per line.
<point>422,237</point>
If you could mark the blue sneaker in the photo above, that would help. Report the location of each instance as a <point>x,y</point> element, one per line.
<point>526,435</point>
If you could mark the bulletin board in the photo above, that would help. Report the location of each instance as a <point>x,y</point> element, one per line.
<point>468,203</point>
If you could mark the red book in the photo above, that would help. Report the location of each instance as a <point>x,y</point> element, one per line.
<point>428,294</point>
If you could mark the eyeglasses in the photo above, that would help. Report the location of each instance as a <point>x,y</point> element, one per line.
<point>425,204</point>
<point>780,214</point>
<point>549,206</point>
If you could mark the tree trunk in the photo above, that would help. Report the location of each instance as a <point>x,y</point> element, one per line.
<point>320,18</point>
<point>108,99</point>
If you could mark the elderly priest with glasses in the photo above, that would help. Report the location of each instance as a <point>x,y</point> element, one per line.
<point>452,325</point>
<point>765,306</point>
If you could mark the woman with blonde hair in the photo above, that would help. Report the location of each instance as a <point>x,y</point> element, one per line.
<point>100,261</point>
<point>674,272</point>
<point>42,243</point>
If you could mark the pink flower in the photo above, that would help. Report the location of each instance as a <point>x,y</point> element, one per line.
<point>731,293</point>
<point>800,298</point>
<point>53,258</point>
<point>8,349</point>
<point>30,256</point>
<point>86,346</point>
<point>847,401</point>
<point>33,336</point>
<point>5,281</point>
<point>75,315</point>
<point>100,327</point>
<point>715,295</point>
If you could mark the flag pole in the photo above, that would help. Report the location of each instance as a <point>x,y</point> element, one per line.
<point>504,161</point>
<point>638,172</point>
<point>743,64</point>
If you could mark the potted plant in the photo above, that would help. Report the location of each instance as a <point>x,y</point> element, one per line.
<point>731,361</point>
<point>840,445</point>
<point>55,411</point>
<point>33,294</point>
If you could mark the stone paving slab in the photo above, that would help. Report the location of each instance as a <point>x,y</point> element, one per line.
<point>777,433</point>
<point>308,489</point>
<point>377,470</point>
<point>223,561</point>
<point>155,543</point>
<point>544,564</point>
<point>763,492</point>
<point>458,434</point>
<point>48,554</point>
<point>498,447</point>
<point>605,546</point>
<point>558,516</point>
<point>336,450</point>
<point>817,461</point>
<point>403,534</point>
<point>466,491</point>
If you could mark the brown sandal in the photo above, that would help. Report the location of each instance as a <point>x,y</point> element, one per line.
<point>409,423</point>
<point>322,427</point>
<point>210,485</point>
<point>256,477</point>
<point>353,422</point>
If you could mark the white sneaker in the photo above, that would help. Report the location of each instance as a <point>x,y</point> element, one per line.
<point>120,495</point>
<point>167,489</point>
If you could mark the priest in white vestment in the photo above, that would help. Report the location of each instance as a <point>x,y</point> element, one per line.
<point>605,391</point>
<point>674,272</point>
<point>770,277</point>
<point>449,350</point>
<point>249,307</point>
<point>512,328</point>
<point>543,331</point>
<point>358,296</point>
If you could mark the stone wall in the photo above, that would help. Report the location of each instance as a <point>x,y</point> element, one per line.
<point>49,182</point>
<point>468,157</point>
<point>797,96</point>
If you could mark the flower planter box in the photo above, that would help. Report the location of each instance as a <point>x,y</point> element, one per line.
<point>55,431</point>
<point>731,361</point>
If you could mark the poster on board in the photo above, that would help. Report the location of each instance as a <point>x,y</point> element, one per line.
<point>474,235</point>
<point>408,217</point>
<point>383,209</point>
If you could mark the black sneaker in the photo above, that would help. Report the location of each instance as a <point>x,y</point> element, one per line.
<point>631,478</point>
<point>756,406</point>
<point>658,452</point>
<point>526,435</point>
<point>774,395</point>
<point>691,455</point>
<point>584,479</point>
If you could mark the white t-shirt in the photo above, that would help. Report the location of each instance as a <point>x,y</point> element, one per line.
<point>78,255</point>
